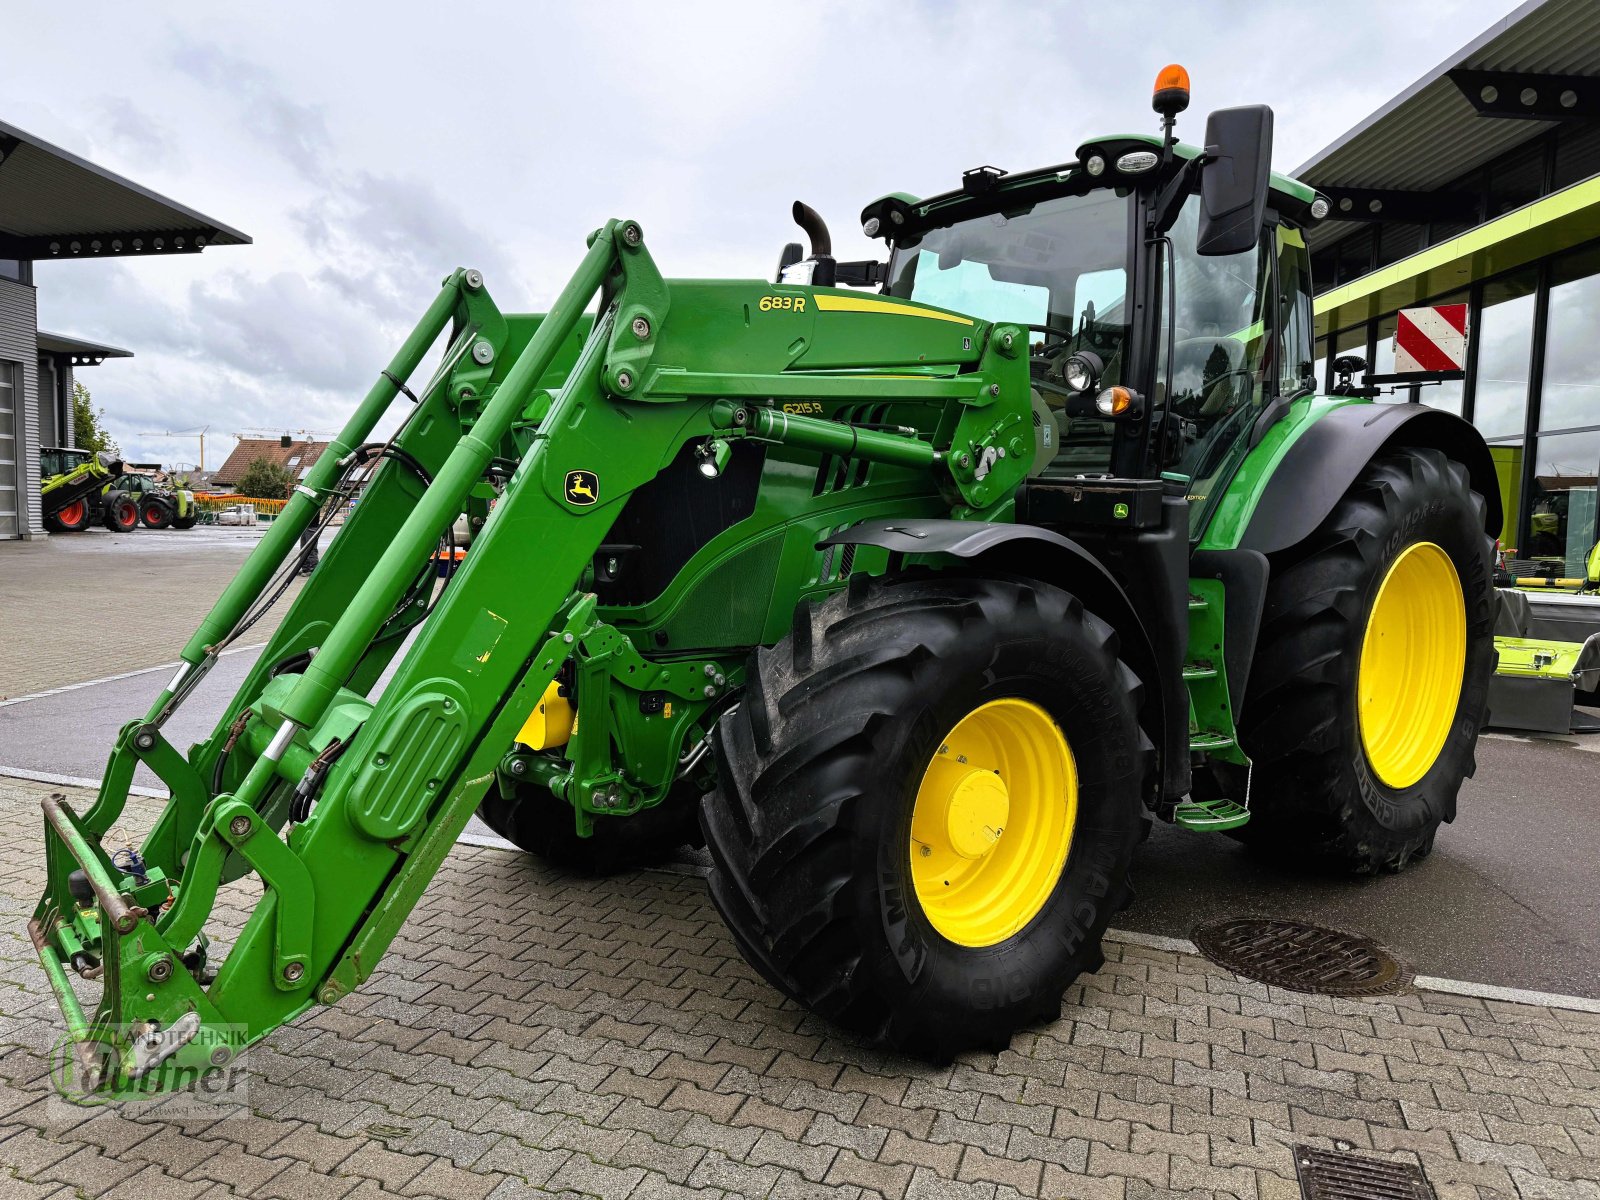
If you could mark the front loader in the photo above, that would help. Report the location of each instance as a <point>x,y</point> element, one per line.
<point>917,604</point>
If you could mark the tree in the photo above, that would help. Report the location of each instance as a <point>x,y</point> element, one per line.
<point>265,480</point>
<point>88,424</point>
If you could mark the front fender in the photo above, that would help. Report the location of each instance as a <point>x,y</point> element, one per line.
<point>1047,556</point>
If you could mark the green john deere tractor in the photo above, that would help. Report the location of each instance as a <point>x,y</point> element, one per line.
<point>917,604</point>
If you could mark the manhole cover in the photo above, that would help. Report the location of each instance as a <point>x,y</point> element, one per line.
<point>1335,1175</point>
<point>1301,958</point>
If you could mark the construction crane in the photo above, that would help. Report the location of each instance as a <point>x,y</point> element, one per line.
<point>194,433</point>
<point>287,434</point>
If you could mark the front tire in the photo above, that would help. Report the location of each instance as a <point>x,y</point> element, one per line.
<point>122,514</point>
<point>70,518</point>
<point>1371,676</point>
<point>910,736</point>
<point>155,514</point>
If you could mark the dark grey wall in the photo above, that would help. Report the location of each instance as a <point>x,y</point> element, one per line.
<point>19,343</point>
<point>49,403</point>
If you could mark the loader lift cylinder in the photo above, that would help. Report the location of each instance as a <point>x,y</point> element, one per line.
<point>306,500</point>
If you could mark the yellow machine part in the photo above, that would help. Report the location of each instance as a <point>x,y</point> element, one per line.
<point>993,822</point>
<point>1413,658</point>
<point>551,722</point>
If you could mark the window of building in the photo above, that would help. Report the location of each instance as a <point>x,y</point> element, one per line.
<point>1383,358</point>
<point>1505,342</point>
<point>1399,240</point>
<point>1443,231</point>
<point>1324,269</point>
<point>1507,458</point>
<point>1561,507</point>
<point>17,269</point>
<point>1354,255</point>
<point>1516,179</point>
<point>1577,154</point>
<point>1570,396</point>
<point>1449,396</point>
<point>10,394</point>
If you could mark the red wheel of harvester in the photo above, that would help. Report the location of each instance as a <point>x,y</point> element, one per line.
<point>70,517</point>
<point>122,514</point>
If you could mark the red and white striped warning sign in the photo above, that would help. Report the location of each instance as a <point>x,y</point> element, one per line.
<point>1431,339</point>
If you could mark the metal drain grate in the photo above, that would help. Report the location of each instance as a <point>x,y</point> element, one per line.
<point>1301,957</point>
<point>1335,1175</point>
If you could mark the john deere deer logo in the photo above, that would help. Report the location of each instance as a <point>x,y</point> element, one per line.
<point>583,487</point>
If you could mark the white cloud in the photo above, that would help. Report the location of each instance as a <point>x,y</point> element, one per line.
<point>371,147</point>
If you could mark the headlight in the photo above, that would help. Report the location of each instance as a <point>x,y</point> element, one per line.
<point>1095,165</point>
<point>1137,160</point>
<point>1082,371</point>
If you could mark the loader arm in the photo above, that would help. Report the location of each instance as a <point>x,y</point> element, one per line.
<point>343,799</point>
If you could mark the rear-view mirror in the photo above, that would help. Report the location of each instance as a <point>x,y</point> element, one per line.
<point>1233,183</point>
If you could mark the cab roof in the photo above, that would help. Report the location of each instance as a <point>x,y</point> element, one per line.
<point>988,189</point>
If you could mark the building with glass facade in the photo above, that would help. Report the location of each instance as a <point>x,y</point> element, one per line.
<point>1480,184</point>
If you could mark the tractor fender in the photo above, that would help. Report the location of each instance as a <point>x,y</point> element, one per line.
<point>1045,555</point>
<point>1324,461</point>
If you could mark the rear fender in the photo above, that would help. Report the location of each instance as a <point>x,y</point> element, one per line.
<point>1048,556</point>
<point>1322,463</point>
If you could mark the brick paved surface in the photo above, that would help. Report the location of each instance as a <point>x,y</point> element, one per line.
<point>534,1034</point>
<point>83,606</point>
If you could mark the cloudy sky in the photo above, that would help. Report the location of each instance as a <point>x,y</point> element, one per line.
<point>369,147</point>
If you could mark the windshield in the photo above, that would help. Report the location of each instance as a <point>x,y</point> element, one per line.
<point>1061,268</point>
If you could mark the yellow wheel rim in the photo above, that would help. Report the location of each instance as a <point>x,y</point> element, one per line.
<point>993,821</point>
<point>1412,660</point>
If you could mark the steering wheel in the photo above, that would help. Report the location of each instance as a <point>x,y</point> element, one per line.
<point>1050,331</point>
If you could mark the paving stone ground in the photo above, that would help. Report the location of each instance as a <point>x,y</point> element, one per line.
<point>87,605</point>
<point>535,1034</point>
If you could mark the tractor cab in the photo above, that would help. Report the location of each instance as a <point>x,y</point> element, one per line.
<point>1170,322</point>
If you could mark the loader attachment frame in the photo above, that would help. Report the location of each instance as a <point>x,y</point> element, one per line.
<point>343,803</point>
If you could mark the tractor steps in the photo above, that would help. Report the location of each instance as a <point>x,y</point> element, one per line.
<point>1210,816</point>
<point>1208,740</point>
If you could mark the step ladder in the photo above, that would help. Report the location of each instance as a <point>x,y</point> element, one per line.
<point>1219,815</point>
<point>1213,816</point>
<point>1210,816</point>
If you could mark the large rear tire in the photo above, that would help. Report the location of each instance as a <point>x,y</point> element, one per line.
<point>530,817</point>
<point>1372,672</point>
<point>926,807</point>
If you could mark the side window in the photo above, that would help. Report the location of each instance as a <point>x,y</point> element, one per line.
<point>1296,365</point>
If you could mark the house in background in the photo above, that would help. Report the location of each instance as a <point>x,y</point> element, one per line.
<point>55,205</point>
<point>296,457</point>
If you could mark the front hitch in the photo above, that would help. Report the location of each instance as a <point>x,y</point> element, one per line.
<point>152,1011</point>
